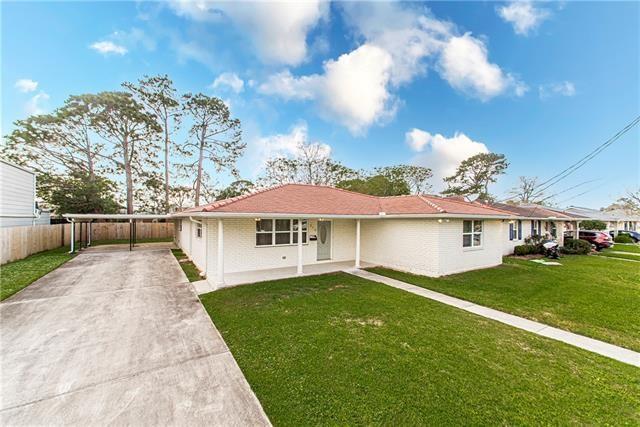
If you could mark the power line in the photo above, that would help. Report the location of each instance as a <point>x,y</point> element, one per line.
<point>569,189</point>
<point>581,194</point>
<point>577,165</point>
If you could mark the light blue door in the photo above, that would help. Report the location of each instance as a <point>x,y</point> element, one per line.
<point>324,240</point>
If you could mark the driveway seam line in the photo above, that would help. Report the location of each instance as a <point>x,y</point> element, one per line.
<point>113,380</point>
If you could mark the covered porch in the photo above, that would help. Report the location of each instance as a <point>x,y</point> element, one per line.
<point>247,277</point>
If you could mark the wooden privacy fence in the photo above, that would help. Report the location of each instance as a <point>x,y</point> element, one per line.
<point>20,242</point>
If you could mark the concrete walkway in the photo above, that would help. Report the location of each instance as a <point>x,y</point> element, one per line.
<point>605,349</point>
<point>118,337</point>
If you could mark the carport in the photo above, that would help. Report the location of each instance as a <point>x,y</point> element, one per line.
<point>88,219</point>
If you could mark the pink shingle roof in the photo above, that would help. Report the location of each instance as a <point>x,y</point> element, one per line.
<point>323,200</point>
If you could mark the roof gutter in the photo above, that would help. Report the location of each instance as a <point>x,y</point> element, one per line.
<point>333,216</point>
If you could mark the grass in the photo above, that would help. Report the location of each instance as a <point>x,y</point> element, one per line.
<point>625,248</point>
<point>340,350</point>
<point>588,295</point>
<point>17,275</point>
<point>126,241</point>
<point>627,255</point>
<point>189,268</point>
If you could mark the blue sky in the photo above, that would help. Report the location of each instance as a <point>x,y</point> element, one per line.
<point>376,83</point>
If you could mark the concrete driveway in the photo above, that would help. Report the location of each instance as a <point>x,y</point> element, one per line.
<point>118,337</point>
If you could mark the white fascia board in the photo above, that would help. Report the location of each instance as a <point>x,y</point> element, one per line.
<point>332,216</point>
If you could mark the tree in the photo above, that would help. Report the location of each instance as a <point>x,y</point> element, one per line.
<point>630,202</point>
<point>474,175</point>
<point>78,193</point>
<point>527,191</point>
<point>214,136</point>
<point>236,188</point>
<point>416,177</point>
<point>158,96</point>
<point>311,165</point>
<point>57,143</point>
<point>130,133</point>
<point>593,224</point>
<point>378,185</point>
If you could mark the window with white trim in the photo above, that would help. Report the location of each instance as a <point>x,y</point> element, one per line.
<point>471,233</point>
<point>279,232</point>
<point>198,230</point>
<point>515,230</point>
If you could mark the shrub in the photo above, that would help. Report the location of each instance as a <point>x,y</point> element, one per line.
<point>576,247</point>
<point>534,239</point>
<point>522,250</point>
<point>623,238</point>
<point>592,224</point>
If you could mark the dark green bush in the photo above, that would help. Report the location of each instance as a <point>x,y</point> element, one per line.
<point>522,250</point>
<point>576,247</point>
<point>623,238</point>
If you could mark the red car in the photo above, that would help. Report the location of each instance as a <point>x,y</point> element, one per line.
<point>599,239</point>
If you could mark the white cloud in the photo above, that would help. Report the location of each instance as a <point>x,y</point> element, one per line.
<point>464,64</point>
<point>443,155</point>
<point>565,88</point>
<point>107,47</point>
<point>523,15</point>
<point>277,30</point>
<point>230,80</point>
<point>263,148</point>
<point>37,104</point>
<point>353,89</point>
<point>26,85</point>
<point>398,43</point>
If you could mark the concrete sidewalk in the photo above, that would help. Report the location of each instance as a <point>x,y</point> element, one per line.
<point>118,337</point>
<point>605,349</point>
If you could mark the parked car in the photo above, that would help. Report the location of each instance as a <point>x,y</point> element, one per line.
<point>599,239</point>
<point>635,236</point>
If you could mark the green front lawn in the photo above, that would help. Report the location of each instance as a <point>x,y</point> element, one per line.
<point>626,248</point>
<point>15,276</point>
<point>189,268</point>
<point>340,350</point>
<point>627,255</point>
<point>589,295</point>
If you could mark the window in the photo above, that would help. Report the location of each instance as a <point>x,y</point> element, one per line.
<point>274,232</point>
<point>180,225</point>
<point>515,230</point>
<point>471,234</point>
<point>536,228</point>
<point>553,229</point>
<point>198,230</point>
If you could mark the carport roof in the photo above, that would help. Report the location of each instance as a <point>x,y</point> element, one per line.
<point>303,199</point>
<point>114,216</point>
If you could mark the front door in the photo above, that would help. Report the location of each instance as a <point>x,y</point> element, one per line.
<point>324,240</point>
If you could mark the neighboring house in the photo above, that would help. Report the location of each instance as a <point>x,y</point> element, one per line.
<point>296,226</point>
<point>616,220</point>
<point>18,197</point>
<point>533,220</point>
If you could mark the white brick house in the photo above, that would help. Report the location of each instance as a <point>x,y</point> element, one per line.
<point>260,233</point>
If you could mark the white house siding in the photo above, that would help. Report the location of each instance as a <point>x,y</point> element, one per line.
<point>403,244</point>
<point>509,245</point>
<point>242,254</point>
<point>454,258</point>
<point>17,196</point>
<point>198,247</point>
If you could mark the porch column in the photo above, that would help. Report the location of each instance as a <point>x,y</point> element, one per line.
<point>577,235</point>
<point>90,232</point>
<point>73,235</point>
<point>299,271</point>
<point>357,243</point>
<point>220,262</point>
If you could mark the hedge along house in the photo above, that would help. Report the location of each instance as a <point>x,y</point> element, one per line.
<point>297,229</point>
<point>534,220</point>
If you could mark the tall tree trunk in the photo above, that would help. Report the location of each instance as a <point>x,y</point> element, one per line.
<point>200,160</point>
<point>166,165</point>
<point>88,154</point>
<point>128,173</point>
